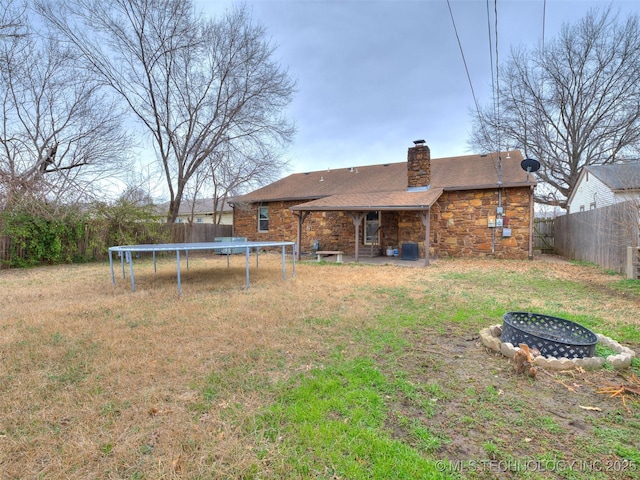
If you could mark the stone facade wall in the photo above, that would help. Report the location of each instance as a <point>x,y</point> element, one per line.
<point>333,230</point>
<point>459,226</point>
<point>282,223</point>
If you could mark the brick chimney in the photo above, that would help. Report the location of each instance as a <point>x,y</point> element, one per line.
<point>418,165</point>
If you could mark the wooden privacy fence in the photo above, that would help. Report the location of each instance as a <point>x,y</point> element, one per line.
<point>543,234</point>
<point>599,236</point>
<point>198,232</point>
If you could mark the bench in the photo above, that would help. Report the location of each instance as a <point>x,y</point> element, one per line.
<point>320,253</point>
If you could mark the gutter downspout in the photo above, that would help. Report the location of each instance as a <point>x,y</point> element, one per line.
<point>493,231</point>
<point>531,213</point>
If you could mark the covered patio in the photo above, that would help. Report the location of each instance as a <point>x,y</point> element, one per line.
<point>418,200</point>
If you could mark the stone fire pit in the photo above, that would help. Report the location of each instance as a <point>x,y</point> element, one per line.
<point>491,338</point>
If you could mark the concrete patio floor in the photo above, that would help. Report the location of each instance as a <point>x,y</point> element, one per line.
<point>381,260</point>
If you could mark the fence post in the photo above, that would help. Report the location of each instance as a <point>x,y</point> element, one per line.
<point>632,262</point>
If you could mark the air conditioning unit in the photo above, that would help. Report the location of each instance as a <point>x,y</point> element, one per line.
<point>409,251</point>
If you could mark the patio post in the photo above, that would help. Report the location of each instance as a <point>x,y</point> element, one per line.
<point>301,218</point>
<point>357,220</point>
<point>426,221</point>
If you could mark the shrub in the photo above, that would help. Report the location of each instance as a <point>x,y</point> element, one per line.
<point>30,237</point>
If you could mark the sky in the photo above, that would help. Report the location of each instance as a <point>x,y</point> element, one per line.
<point>372,76</point>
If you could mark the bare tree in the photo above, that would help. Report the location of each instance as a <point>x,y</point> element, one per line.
<point>196,85</point>
<point>59,134</point>
<point>572,102</point>
<point>12,17</point>
<point>236,170</point>
<point>192,194</point>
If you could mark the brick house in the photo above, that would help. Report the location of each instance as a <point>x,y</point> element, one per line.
<point>467,206</point>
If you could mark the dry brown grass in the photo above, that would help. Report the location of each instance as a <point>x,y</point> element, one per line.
<point>100,382</point>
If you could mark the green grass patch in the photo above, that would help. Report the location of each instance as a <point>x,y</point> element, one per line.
<point>602,351</point>
<point>332,425</point>
<point>628,286</point>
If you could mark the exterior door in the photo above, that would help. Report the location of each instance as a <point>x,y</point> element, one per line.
<point>372,229</point>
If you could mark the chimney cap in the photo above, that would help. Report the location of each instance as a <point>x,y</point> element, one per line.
<point>419,142</point>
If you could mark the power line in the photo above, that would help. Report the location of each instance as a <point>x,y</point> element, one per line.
<point>493,86</point>
<point>497,87</point>
<point>464,60</point>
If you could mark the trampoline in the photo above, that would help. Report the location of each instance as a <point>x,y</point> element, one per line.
<point>125,252</point>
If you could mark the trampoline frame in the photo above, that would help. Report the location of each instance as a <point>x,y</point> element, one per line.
<point>125,253</point>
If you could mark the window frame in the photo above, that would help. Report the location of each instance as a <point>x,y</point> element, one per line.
<point>262,218</point>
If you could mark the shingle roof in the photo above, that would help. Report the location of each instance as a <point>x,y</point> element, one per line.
<point>380,181</point>
<point>202,206</point>
<point>374,201</point>
<point>618,176</point>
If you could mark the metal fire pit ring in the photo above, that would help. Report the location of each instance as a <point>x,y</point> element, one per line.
<point>552,336</point>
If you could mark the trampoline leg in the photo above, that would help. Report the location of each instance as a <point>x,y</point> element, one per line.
<point>246,284</point>
<point>113,278</point>
<point>284,270</point>
<point>293,258</point>
<point>178,265</point>
<point>133,282</point>
<point>154,262</point>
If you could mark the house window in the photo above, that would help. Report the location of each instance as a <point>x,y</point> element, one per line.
<point>592,206</point>
<point>582,208</point>
<point>198,220</point>
<point>371,229</point>
<point>179,220</point>
<point>263,219</point>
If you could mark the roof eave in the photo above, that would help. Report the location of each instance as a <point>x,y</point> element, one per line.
<point>360,208</point>
<point>490,186</point>
<point>626,190</point>
<point>235,200</point>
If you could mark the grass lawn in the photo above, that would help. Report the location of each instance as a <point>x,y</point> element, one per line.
<point>343,372</point>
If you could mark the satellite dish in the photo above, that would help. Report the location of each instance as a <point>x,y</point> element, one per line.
<point>530,165</point>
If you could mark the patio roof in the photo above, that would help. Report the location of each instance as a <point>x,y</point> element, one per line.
<point>374,201</point>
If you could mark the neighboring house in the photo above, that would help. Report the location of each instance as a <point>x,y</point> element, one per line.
<point>202,212</point>
<point>467,206</point>
<point>603,185</point>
